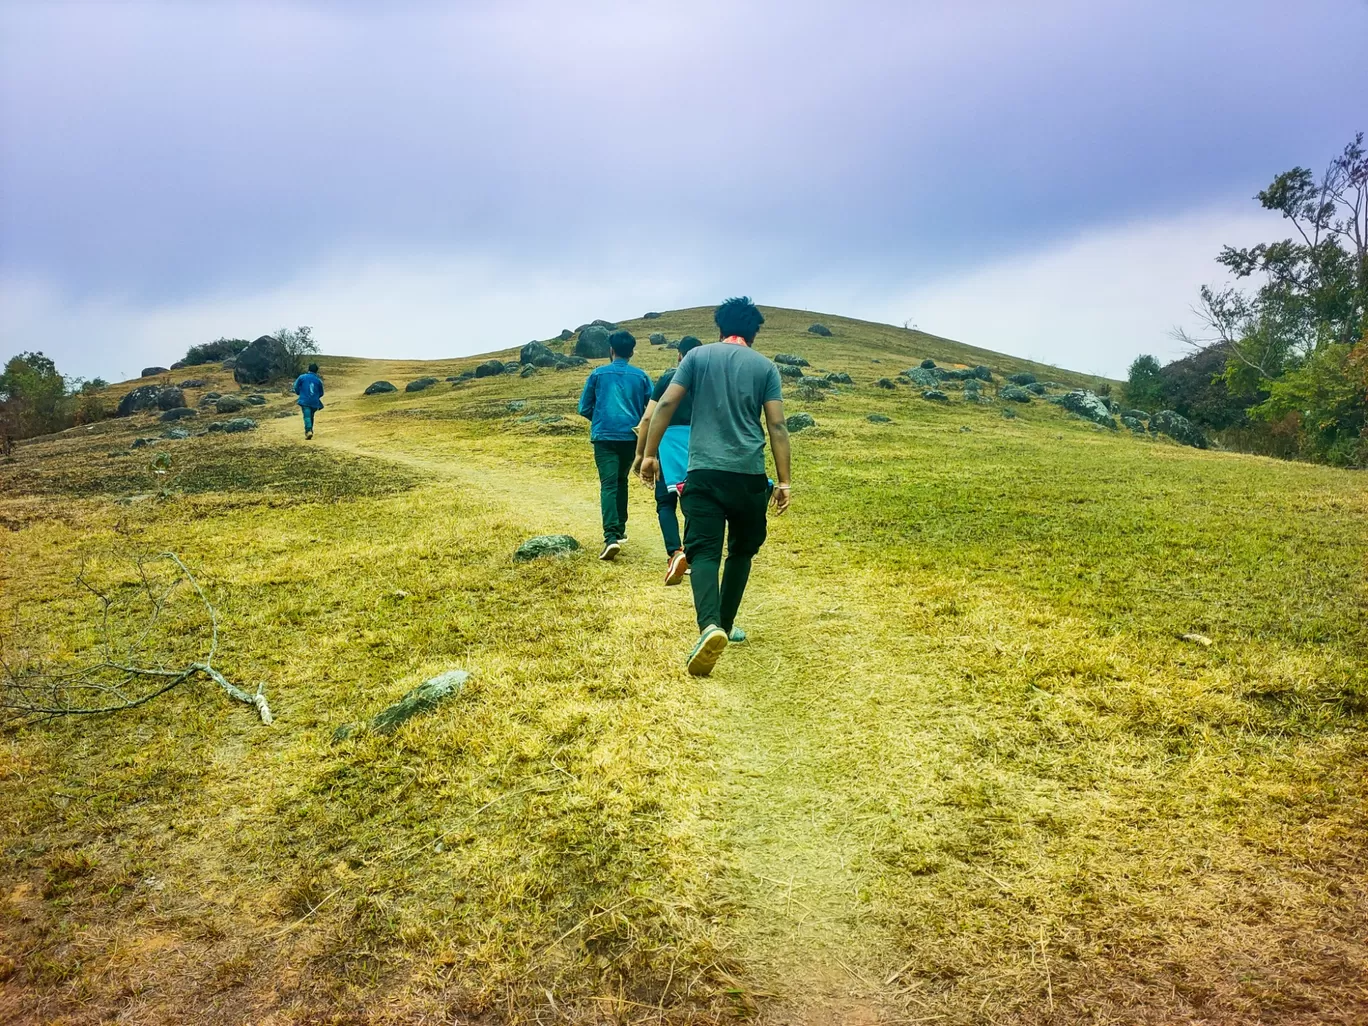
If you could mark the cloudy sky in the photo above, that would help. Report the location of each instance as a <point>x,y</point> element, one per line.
<point>419,179</point>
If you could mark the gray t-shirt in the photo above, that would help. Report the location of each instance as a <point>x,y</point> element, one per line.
<point>730,385</point>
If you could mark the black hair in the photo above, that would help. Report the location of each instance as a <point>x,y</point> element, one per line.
<point>313,368</point>
<point>685,344</point>
<point>738,316</point>
<point>623,343</point>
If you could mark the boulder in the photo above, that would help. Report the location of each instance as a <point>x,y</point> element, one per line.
<point>418,384</point>
<point>239,424</point>
<point>789,371</point>
<point>1137,414</point>
<point>566,335</point>
<point>1014,394</point>
<point>816,382</point>
<point>1035,388</point>
<point>819,329</point>
<point>256,400</point>
<point>178,413</point>
<point>193,383</point>
<point>571,360</point>
<point>1088,405</point>
<point>527,371</point>
<point>923,377</point>
<point>170,398</point>
<point>840,378</point>
<point>534,351</point>
<point>490,369</point>
<point>809,391</point>
<point>650,315</point>
<point>800,421</point>
<point>229,364</point>
<point>545,545</point>
<point>512,367</point>
<point>879,418</point>
<point>176,433</point>
<point>230,404</point>
<point>214,428</point>
<point>179,365</point>
<point>884,383</point>
<point>264,358</point>
<point>1133,424</point>
<point>935,395</point>
<point>210,397</point>
<point>148,372</point>
<point>1023,378</point>
<point>792,359</point>
<point>980,372</point>
<point>378,388</point>
<point>422,699</point>
<point>657,339</point>
<point>601,323</point>
<point>592,343</point>
<point>928,364</point>
<point>144,397</point>
<point>1177,427</point>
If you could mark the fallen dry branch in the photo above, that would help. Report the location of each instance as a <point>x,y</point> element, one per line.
<point>116,684</point>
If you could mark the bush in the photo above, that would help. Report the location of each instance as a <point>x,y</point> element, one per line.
<point>214,352</point>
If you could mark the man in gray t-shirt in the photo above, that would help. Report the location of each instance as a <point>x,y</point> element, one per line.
<point>733,389</point>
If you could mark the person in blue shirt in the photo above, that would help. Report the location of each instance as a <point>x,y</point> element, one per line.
<point>309,387</point>
<point>613,401</point>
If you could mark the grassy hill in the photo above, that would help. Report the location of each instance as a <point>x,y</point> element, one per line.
<point>965,770</point>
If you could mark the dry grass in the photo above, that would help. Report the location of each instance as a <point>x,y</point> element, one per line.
<point>964,771</point>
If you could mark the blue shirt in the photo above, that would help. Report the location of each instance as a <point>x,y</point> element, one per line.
<point>309,388</point>
<point>613,401</point>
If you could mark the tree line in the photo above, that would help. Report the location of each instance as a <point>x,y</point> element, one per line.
<point>1281,368</point>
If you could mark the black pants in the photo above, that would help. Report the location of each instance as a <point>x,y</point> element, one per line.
<point>614,462</point>
<point>714,502</point>
<point>667,502</point>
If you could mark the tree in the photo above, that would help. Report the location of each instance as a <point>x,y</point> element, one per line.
<point>1145,384</point>
<point>32,398</point>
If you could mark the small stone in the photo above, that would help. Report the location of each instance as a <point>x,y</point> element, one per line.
<point>238,425</point>
<point>142,443</point>
<point>840,378</point>
<point>527,371</point>
<point>215,428</point>
<point>965,429</point>
<point>792,359</point>
<point>799,422</point>
<point>545,545</point>
<point>176,433</point>
<point>230,404</point>
<point>935,395</point>
<point>928,364</point>
<point>879,418</point>
<point>193,383</point>
<point>378,387</point>
<point>1014,394</point>
<point>180,413</point>
<point>819,329</point>
<point>256,400</point>
<point>789,371</point>
<point>422,699</point>
<point>1197,639</point>
<point>885,383</point>
<point>418,384</point>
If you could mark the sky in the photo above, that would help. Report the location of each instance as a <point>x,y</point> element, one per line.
<point>1051,180</point>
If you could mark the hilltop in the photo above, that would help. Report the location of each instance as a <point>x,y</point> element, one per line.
<point>966,766</point>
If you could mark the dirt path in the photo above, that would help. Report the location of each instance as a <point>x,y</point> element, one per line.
<point>787,814</point>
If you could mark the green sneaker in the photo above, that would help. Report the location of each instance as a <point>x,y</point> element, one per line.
<point>736,636</point>
<point>705,654</point>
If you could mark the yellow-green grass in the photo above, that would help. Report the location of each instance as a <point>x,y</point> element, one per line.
<point>964,771</point>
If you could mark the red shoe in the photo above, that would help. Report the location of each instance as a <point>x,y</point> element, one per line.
<point>679,566</point>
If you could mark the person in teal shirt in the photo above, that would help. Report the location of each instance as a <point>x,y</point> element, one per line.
<point>309,387</point>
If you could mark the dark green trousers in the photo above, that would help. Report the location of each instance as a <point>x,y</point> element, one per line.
<point>614,462</point>
<point>718,503</point>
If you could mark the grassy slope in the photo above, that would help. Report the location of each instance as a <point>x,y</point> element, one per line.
<point>964,768</point>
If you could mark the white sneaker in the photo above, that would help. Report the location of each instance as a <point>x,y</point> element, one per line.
<point>610,551</point>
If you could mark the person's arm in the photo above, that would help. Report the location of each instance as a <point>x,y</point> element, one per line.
<point>586,405</point>
<point>660,420</point>
<point>779,443</point>
<point>642,426</point>
<point>320,387</point>
<point>296,384</point>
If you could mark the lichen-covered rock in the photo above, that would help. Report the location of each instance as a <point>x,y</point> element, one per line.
<point>1088,405</point>
<point>193,383</point>
<point>545,545</point>
<point>419,384</point>
<point>170,398</point>
<point>1135,425</point>
<point>565,335</point>
<point>1137,414</point>
<point>148,372</point>
<point>527,371</point>
<point>144,397</point>
<point>264,358</point>
<point>1014,394</point>
<point>650,315</point>
<point>923,377</point>
<point>789,371</point>
<point>840,378</point>
<point>238,425</point>
<point>179,413</point>
<point>1022,378</point>
<point>142,443</point>
<point>799,422</point>
<point>592,343</point>
<point>571,360</point>
<point>534,351</point>
<point>1035,388</point>
<point>657,339</point>
<point>935,395</point>
<point>819,329</point>
<point>928,364</point>
<point>209,398</point>
<point>379,388</point>
<point>1177,427</point>
<point>980,372</point>
<point>816,383</point>
<point>422,699</point>
<point>791,359</point>
<point>176,433</point>
<point>879,418</point>
<point>884,383</point>
<point>230,404</point>
<point>256,400</point>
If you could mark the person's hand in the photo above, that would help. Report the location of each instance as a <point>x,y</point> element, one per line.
<point>781,499</point>
<point>650,469</point>
<point>636,467</point>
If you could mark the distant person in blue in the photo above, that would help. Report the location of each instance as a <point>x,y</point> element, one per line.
<point>674,464</point>
<point>309,387</point>
<point>613,401</point>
